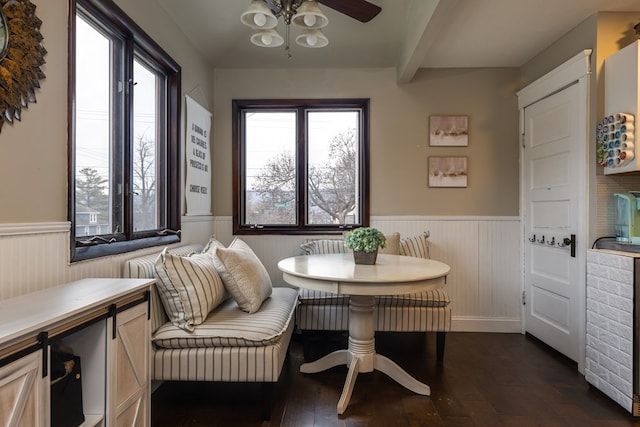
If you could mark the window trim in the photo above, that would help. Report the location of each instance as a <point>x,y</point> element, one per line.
<point>238,162</point>
<point>112,15</point>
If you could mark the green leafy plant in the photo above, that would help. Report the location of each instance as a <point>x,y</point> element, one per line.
<point>365,239</point>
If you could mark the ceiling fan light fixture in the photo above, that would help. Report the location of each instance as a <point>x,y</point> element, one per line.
<point>309,16</point>
<point>258,16</point>
<point>312,39</point>
<point>267,38</point>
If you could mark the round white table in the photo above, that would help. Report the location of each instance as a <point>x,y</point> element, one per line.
<point>391,275</point>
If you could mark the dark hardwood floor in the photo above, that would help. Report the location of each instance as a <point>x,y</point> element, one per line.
<point>485,380</point>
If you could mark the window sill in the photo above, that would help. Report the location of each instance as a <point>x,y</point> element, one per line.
<point>90,252</point>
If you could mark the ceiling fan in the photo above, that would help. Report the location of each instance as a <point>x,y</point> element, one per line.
<point>361,10</point>
<point>262,16</point>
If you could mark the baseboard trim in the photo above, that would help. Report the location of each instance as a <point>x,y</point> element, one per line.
<point>486,324</point>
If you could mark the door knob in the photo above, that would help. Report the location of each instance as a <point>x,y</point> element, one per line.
<point>571,242</point>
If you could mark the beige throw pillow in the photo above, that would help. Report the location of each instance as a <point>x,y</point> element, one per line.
<point>211,245</point>
<point>393,244</point>
<point>243,274</point>
<point>189,287</point>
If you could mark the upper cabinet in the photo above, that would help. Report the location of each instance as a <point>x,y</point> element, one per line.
<point>616,143</point>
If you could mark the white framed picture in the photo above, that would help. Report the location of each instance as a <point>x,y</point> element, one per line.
<point>449,131</point>
<point>448,171</point>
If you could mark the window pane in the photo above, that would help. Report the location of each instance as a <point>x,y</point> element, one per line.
<point>270,173</point>
<point>332,187</point>
<point>95,197</point>
<point>146,203</point>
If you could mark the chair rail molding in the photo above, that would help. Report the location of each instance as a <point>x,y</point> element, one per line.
<point>13,229</point>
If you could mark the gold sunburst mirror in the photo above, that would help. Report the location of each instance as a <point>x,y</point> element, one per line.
<point>21,56</point>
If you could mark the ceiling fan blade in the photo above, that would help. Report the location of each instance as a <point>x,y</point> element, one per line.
<point>361,10</point>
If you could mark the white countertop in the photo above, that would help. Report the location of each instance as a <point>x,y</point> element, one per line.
<point>28,314</point>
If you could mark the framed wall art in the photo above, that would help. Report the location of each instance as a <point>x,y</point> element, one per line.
<point>449,131</point>
<point>448,171</point>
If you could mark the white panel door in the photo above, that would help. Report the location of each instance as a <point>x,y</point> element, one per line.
<point>551,209</point>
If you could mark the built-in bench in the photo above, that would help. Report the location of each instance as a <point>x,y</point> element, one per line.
<point>229,344</point>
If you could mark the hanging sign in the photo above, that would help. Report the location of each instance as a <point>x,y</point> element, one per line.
<point>198,159</point>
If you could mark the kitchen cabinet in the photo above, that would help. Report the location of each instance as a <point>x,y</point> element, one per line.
<point>106,323</point>
<point>22,399</point>
<point>621,108</point>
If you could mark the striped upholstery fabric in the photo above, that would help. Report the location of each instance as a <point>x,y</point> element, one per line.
<point>324,246</point>
<point>231,364</point>
<point>144,267</point>
<point>227,326</point>
<point>310,297</point>
<point>189,287</point>
<point>417,246</point>
<point>255,363</point>
<point>433,298</point>
<point>387,318</point>
<point>425,311</point>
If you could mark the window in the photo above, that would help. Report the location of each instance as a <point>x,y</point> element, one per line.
<point>124,170</point>
<point>300,167</point>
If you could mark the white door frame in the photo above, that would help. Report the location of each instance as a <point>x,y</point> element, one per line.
<point>576,70</point>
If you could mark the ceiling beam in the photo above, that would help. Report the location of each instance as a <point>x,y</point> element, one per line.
<point>424,22</point>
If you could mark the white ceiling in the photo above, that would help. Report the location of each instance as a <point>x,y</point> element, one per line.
<point>407,34</point>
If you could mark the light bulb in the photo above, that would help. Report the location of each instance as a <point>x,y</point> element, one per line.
<point>260,19</point>
<point>312,39</point>
<point>309,20</point>
<point>267,39</point>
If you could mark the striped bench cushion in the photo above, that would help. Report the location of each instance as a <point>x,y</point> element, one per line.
<point>227,326</point>
<point>230,364</point>
<point>433,298</point>
<point>387,318</point>
<point>310,297</point>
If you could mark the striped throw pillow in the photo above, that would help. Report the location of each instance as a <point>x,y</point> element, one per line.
<point>189,287</point>
<point>324,246</point>
<point>417,246</point>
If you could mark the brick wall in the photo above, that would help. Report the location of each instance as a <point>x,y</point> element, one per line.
<point>609,353</point>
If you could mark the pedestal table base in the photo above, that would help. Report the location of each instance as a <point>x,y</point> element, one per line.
<point>361,355</point>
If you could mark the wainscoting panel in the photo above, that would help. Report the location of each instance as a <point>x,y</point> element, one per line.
<point>484,254</point>
<point>36,256</point>
<point>484,283</point>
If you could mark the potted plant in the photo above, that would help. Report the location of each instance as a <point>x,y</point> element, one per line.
<point>364,242</point>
